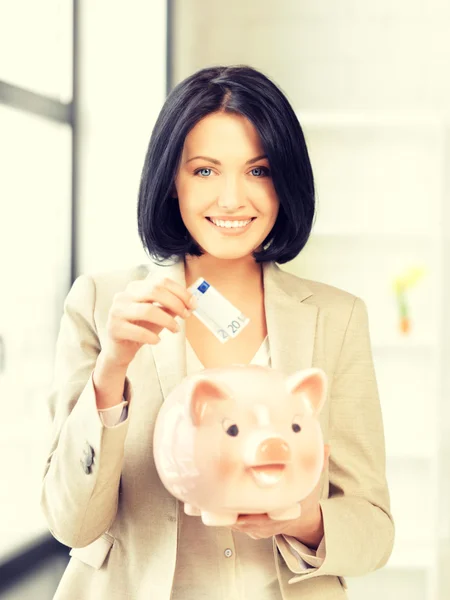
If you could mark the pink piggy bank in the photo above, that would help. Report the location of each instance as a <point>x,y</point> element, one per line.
<point>244,439</point>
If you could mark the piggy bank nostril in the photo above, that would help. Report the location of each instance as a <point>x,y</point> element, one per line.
<point>273,450</point>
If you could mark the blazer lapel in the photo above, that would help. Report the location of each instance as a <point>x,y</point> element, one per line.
<point>291,324</point>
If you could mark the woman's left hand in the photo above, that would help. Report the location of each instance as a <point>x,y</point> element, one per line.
<point>308,528</point>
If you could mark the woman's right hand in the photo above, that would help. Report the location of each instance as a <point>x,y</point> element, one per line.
<point>134,319</point>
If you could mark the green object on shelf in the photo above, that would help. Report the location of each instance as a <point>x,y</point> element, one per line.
<point>402,304</point>
<point>402,283</point>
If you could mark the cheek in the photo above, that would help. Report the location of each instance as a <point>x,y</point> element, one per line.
<point>194,189</point>
<point>186,193</point>
<point>273,208</point>
<point>226,465</point>
<point>310,462</point>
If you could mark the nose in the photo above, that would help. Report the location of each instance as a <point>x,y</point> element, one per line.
<point>273,450</point>
<point>231,197</point>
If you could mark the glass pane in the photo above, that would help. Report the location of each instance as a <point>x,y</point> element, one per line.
<point>36,46</point>
<point>35,188</point>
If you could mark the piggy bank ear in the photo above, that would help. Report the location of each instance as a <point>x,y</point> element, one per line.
<point>203,396</point>
<point>311,385</point>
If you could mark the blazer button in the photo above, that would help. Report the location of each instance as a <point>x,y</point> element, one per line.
<point>88,458</point>
<point>86,468</point>
<point>89,453</point>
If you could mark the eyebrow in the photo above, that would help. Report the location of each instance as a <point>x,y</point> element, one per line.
<point>217,162</point>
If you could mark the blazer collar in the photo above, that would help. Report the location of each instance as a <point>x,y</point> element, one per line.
<point>291,325</point>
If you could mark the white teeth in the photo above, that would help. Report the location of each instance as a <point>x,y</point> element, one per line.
<point>231,224</point>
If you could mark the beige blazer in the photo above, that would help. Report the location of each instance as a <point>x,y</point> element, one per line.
<point>101,494</point>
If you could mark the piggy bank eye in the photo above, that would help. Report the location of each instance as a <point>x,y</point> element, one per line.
<point>296,427</point>
<point>233,430</point>
<point>230,427</point>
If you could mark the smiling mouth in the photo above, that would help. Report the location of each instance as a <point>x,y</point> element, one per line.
<point>267,475</point>
<point>233,224</point>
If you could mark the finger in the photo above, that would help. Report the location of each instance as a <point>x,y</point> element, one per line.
<point>246,531</point>
<point>163,297</point>
<point>253,520</point>
<point>242,529</point>
<point>182,293</point>
<point>167,300</point>
<point>185,295</point>
<point>135,333</point>
<point>146,314</point>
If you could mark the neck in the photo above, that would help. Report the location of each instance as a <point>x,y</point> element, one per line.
<point>225,275</point>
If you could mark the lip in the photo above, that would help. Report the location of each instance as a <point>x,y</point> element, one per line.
<point>230,230</point>
<point>244,218</point>
<point>267,475</point>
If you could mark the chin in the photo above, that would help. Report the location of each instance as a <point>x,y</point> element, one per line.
<point>228,254</point>
<point>228,249</point>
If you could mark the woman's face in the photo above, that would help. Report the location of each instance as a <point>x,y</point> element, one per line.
<point>224,177</point>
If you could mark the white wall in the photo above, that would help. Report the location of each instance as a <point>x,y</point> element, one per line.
<point>351,54</point>
<point>122,70</point>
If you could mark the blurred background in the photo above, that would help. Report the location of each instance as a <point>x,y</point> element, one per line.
<point>81,85</point>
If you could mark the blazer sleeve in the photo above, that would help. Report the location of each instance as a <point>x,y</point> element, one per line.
<point>80,488</point>
<point>358,525</point>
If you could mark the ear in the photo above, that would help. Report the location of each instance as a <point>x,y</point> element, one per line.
<point>203,396</point>
<point>311,385</point>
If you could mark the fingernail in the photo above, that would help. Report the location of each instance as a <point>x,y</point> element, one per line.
<point>193,302</point>
<point>186,313</point>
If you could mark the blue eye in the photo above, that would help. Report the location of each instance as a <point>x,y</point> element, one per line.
<point>200,170</point>
<point>263,171</point>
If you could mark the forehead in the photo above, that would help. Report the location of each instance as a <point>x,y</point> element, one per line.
<point>221,133</point>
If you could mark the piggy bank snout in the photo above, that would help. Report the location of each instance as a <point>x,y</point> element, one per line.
<point>272,450</point>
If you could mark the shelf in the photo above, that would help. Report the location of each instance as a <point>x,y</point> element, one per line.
<point>361,234</point>
<point>405,344</point>
<point>425,454</point>
<point>364,119</point>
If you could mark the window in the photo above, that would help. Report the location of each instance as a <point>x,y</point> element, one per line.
<point>35,244</point>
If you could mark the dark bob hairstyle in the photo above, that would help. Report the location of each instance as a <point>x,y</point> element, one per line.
<point>232,89</point>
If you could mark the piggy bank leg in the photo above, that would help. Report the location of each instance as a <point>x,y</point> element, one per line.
<point>286,514</point>
<point>193,511</point>
<point>219,519</point>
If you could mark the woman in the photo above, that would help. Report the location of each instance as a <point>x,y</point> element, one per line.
<point>227,192</point>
